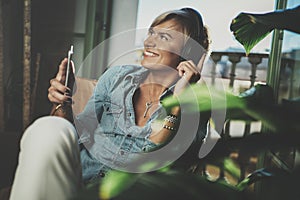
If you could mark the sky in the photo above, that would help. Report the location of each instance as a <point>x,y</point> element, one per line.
<point>217,15</point>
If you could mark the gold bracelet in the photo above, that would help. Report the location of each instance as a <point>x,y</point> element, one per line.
<point>58,106</point>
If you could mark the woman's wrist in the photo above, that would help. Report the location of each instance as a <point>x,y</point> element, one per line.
<point>63,110</point>
<point>171,122</point>
<point>168,128</point>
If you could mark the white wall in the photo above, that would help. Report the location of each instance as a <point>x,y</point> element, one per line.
<point>122,41</point>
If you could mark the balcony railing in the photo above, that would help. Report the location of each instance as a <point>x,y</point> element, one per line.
<point>234,61</point>
<point>238,70</point>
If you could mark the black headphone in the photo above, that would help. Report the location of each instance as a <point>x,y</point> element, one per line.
<point>193,49</point>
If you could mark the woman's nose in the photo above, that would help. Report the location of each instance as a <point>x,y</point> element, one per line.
<point>150,41</point>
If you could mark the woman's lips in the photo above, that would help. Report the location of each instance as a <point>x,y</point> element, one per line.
<point>150,54</point>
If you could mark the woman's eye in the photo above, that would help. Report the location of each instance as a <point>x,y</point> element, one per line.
<point>164,38</point>
<point>150,32</point>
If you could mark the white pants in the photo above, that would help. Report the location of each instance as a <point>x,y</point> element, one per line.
<point>49,162</point>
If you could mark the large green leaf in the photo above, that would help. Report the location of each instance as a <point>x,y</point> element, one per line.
<point>203,98</point>
<point>249,30</point>
<point>176,185</point>
<point>115,183</point>
<point>257,106</point>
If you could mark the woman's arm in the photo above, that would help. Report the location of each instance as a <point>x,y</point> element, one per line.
<point>189,73</point>
<point>59,94</point>
<point>169,128</point>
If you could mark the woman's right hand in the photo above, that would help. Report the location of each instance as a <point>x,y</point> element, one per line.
<point>58,93</point>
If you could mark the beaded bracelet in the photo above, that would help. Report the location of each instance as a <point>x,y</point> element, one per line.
<point>169,128</point>
<point>172,119</point>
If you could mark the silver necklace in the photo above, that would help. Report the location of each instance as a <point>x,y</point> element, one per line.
<point>148,105</point>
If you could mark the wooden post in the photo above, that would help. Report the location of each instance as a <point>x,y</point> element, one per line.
<point>35,83</point>
<point>26,63</point>
<point>2,103</point>
<point>216,57</point>
<point>234,59</point>
<point>254,60</point>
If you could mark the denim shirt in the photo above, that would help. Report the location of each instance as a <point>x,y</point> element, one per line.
<point>107,125</point>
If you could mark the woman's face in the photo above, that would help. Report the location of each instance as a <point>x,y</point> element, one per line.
<point>163,45</point>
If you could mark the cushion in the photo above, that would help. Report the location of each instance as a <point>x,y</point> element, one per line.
<point>82,92</point>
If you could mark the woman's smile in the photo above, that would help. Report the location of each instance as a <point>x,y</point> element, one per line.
<point>148,53</point>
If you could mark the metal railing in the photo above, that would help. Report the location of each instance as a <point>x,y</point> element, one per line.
<point>235,59</point>
<point>235,62</point>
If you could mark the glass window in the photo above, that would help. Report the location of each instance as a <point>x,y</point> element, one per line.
<point>289,87</point>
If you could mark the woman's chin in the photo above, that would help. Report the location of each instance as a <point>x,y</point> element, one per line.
<point>148,65</point>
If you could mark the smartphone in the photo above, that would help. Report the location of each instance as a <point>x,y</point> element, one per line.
<point>70,54</point>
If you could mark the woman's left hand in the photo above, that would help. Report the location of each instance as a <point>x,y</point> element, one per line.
<point>189,73</point>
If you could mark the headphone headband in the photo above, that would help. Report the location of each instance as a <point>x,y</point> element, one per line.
<point>193,49</point>
<point>190,13</point>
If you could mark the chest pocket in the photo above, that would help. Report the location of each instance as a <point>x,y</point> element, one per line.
<point>111,116</point>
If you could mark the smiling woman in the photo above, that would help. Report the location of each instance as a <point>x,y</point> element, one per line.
<point>163,45</point>
<point>124,120</point>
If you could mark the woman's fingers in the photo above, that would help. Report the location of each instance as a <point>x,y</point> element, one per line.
<point>62,69</point>
<point>57,85</point>
<point>187,66</point>
<point>189,73</point>
<point>189,70</point>
<point>57,92</point>
<point>55,97</point>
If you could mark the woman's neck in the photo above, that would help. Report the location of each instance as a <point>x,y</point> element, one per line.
<point>161,78</point>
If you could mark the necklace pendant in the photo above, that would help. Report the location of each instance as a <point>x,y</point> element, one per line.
<point>148,106</point>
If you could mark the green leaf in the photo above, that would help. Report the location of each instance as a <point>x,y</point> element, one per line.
<point>243,184</point>
<point>249,29</point>
<point>232,168</point>
<point>177,185</point>
<point>201,98</point>
<point>114,183</point>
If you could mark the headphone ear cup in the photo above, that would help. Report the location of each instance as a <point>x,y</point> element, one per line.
<point>186,51</point>
<point>192,51</point>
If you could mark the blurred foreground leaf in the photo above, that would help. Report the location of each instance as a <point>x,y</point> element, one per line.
<point>257,105</point>
<point>115,183</point>
<point>177,185</point>
<point>232,168</point>
<point>200,98</point>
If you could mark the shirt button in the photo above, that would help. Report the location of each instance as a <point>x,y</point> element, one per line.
<point>129,114</point>
<point>122,152</point>
<point>129,135</point>
<point>101,174</point>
